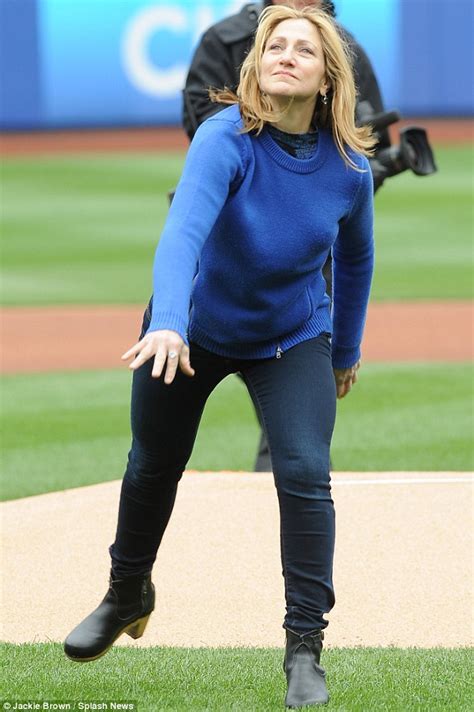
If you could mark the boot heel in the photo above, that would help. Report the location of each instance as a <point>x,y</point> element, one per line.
<point>136,630</point>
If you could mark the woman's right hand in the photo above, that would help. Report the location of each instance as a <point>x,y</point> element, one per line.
<point>167,347</point>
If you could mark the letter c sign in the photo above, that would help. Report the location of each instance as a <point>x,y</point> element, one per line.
<point>139,69</point>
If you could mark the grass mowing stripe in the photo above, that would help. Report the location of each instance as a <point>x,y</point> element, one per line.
<point>65,430</point>
<point>240,679</point>
<point>423,229</point>
<point>83,229</point>
<point>72,429</point>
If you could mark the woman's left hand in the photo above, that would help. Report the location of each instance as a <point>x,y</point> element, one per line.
<point>345,378</point>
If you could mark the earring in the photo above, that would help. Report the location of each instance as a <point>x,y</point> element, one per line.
<point>324,99</point>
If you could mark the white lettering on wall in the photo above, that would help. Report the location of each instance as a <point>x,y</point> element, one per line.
<point>138,66</point>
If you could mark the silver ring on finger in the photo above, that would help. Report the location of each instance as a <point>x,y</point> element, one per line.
<point>172,354</point>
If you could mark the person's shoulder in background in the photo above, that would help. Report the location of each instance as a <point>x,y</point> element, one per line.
<point>238,27</point>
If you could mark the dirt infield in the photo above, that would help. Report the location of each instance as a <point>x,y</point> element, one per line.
<point>174,139</point>
<point>403,566</point>
<point>60,338</point>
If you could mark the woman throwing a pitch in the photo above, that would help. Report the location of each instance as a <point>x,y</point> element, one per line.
<point>270,185</point>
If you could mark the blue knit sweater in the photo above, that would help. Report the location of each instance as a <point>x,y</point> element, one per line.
<point>238,266</point>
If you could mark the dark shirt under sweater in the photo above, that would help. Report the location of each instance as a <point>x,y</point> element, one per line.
<point>297,145</point>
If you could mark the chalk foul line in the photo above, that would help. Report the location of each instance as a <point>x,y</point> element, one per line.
<point>401,481</point>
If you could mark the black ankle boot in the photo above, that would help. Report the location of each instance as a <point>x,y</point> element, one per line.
<point>305,677</point>
<point>125,609</point>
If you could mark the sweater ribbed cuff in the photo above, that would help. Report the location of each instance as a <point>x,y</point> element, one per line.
<point>344,357</point>
<point>171,321</point>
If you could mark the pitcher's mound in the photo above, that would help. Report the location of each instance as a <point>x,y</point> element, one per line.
<point>403,570</point>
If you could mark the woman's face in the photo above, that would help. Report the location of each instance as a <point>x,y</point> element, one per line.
<point>292,63</point>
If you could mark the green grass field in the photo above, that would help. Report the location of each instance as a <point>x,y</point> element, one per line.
<point>70,429</point>
<point>83,229</point>
<point>241,680</point>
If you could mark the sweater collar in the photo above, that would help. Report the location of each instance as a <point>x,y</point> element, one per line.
<point>297,165</point>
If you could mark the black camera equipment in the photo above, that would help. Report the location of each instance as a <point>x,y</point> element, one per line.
<point>413,152</point>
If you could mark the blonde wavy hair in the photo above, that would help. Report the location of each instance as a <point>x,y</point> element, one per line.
<point>338,115</point>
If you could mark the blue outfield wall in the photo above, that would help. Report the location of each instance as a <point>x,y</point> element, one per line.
<point>20,75</point>
<point>66,63</point>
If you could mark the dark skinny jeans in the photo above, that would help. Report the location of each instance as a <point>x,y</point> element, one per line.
<point>296,398</point>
